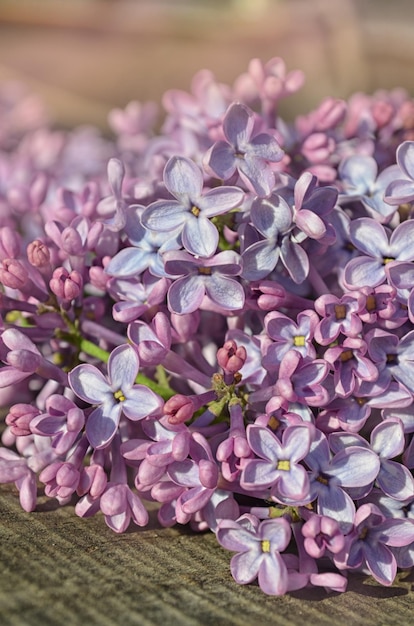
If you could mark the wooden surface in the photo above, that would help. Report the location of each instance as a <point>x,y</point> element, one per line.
<point>59,570</point>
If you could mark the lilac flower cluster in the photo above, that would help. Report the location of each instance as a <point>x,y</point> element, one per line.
<point>216,314</point>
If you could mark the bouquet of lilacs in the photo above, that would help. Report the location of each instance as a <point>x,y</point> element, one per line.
<point>215,313</point>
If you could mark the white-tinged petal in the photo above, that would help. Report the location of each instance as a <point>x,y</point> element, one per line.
<point>225,292</point>
<point>129,262</point>
<point>244,567</point>
<point>186,294</point>
<point>200,237</point>
<point>141,402</point>
<point>164,215</point>
<point>89,384</point>
<point>123,366</point>
<point>183,177</point>
<point>102,424</point>
<point>369,237</point>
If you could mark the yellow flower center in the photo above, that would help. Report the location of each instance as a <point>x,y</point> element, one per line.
<point>265,545</point>
<point>299,340</point>
<point>283,465</point>
<point>195,211</point>
<point>204,270</point>
<point>119,396</point>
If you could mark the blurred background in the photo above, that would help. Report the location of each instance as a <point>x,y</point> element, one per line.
<point>85,57</point>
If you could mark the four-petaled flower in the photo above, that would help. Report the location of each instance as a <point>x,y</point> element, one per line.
<point>114,395</point>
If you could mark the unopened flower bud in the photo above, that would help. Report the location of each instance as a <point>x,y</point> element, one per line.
<point>65,285</point>
<point>19,419</point>
<point>9,243</point>
<point>38,253</point>
<point>13,274</point>
<point>231,357</point>
<point>179,409</point>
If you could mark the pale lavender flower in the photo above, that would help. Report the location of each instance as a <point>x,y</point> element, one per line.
<point>145,251</point>
<point>378,248</point>
<point>62,422</point>
<point>401,189</point>
<point>287,335</point>
<point>331,476</point>
<point>321,534</point>
<point>244,151</point>
<point>114,395</point>
<point>198,474</point>
<point>339,315</point>
<point>350,365</point>
<point>393,357</point>
<point>387,440</point>
<point>258,545</point>
<point>278,465</point>
<point>361,181</point>
<point>204,277</point>
<point>189,213</point>
<point>369,543</point>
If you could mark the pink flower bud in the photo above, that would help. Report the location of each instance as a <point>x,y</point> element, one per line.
<point>13,274</point>
<point>10,243</point>
<point>179,409</point>
<point>230,357</point>
<point>19,419</point>
<point>38,253</point>
<point>71,241</point>
<point>64,285</point>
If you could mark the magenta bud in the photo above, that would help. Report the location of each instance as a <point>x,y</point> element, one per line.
<point>208,473</point>
<point>19,418</point>
<point>24,360</point>
<point>64,285</point>
<point>179,409</point>
<point>10,243</point>
<point>38,253</point>
<point>13,274</point>
<point>230,357</point>
<point>38,189</point>
<point>71,241</point>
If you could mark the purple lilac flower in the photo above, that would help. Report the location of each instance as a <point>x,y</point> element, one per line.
<point>378,248</point>
<point>361,181</point>
<point>189,213</point>
<point>371,540</point>
<point>114,395</point>
<point>198,474</point>
<point>62,422</point>
<point>258,545</point>
<point>331,475</point>
<point>245,151</point>
<point>272,218</point>
<point>204,277</point>
<point>340,315</point>
<point>145,251</point>
<point>321,534</point>
<point>312,205</point>
<point>393,357</point>
<point>278,465</point>
<point>350,365</point>
<point>14,468</point>
<point>401,190</point>
<point>387,440</point>
<point>287,335</point>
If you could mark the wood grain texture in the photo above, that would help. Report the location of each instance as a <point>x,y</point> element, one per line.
<point>59,569</point>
